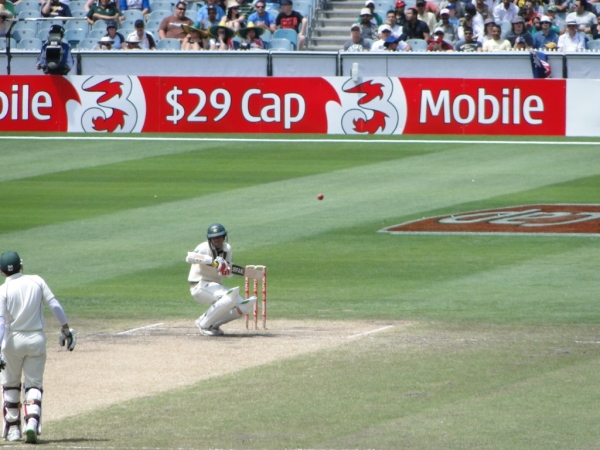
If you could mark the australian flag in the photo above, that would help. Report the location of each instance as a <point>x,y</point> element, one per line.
<point>539,64</point>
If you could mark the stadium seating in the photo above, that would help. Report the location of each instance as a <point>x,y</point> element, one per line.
<point>96,34</point>
<point>3,43</point>
<point>27,5</point>
<point>152,26</point>
<point>161,6</point>
<point>159,15</point>
<point>19,35</point>
<point>42,35</point>
<point>506,27</point>
<point>168,44</point>
<point>133,15</point>
<point>30,44</point>
<point>79,13</point>
<point>280,44</point>
<point>28,25</point>
<point>289,34</point>
<point>29,14</point>
<point>417,45</point>
<point>87,44</point>
<point>99,25</point>
<point>74,36</point>
<point>77,6</point>
<point>266,36</point>
<point>77,24</point>
<point>127,24</point>
<point>593,45</point>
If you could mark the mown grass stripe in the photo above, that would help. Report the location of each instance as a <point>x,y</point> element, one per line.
<point>264,215</point>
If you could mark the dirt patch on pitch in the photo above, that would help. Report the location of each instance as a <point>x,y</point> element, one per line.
<point>111,367</point>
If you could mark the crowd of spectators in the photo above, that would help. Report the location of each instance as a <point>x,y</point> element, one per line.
<point>212,25</point>
<point>480,26</point>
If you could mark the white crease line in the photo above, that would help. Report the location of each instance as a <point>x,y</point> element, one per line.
<point>369,332</point>
<point>140,328</point>
<point>280,140</point>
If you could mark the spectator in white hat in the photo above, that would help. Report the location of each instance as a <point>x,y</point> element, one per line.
<point>450,30</point>
<point>368,29</point>
<point>375,18</point>
<point>573,40</point>
<point>384,32</point>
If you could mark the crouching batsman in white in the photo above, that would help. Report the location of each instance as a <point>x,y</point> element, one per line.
<point>211,261</point>
<point>24,346</point>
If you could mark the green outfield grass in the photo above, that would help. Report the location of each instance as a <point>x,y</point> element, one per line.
<point>502,349</point>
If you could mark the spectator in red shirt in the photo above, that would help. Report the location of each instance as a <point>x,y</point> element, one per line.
<point>288,18</point>
<point>437,43</point>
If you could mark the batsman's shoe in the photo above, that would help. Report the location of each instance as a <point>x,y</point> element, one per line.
<point>14,434</point>
<point>212,331</point>
<point>31,431</point>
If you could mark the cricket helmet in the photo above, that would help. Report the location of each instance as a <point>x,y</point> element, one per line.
<point>10,262</point>
<point>216,230</point>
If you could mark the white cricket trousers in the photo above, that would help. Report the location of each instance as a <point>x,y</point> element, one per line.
<point>24,352</point>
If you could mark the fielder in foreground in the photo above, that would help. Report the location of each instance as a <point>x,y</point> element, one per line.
<point>211,261</point>
<point>24,345</point>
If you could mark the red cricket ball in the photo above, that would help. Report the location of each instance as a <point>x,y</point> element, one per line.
<point>320,196</point>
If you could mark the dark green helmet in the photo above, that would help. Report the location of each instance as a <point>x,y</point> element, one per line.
<point>10,262</point>
<point>216,230</point>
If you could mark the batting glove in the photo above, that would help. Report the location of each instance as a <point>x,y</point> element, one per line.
<point>2,364</point>
<point>67,338</point>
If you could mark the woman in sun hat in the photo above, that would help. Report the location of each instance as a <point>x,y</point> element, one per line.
<point>221,37</point>
<point>235,20</point>
<point>251,36</point>
<point>195,38</point>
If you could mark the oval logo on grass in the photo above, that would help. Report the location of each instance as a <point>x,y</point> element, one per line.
<point>545,220</point>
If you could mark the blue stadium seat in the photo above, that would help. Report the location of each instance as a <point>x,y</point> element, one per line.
<point>74,36</point>
<point>77,24</point>
<point>28,25</point>
<point>159,15</point>
<point>593,45</point>
<point>87,44</point>
<point>24,34</point>
<point>96,34</point>
<point>80,13</point>
<point>417,45</point>
<point>133,15</point>
<point>289,34</point>
<point>129,24</point>
<point>99,25</point>
<point>280,44</point>
<point>30,44</point>
<point>161,6</point>
<point>168,44</point>
<point>77,6</point>
<point>27,5</point>
<point>3,43</point>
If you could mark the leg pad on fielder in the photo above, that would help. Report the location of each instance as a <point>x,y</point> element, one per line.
<point>11,408</point>
<point>32,406</point>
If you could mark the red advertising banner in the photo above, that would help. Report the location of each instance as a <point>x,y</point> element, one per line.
<point>327,105</point>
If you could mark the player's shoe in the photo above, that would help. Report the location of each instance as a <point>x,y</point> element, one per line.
<point>14,434</point>
<point>31,431</point>
<point>212,331</point>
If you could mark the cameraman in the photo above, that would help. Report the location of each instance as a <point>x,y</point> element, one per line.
<point>55,57</point>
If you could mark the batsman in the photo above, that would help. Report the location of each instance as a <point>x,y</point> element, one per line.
<point>24,346</point>
<point>211,261</point>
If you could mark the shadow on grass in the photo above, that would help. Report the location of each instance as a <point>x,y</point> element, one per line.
<point>69,440</point>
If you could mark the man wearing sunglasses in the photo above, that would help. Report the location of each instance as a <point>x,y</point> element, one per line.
<point>261,17</point>
<point>572,40</point>
<point>170,27</point>
<point>203,12</point>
